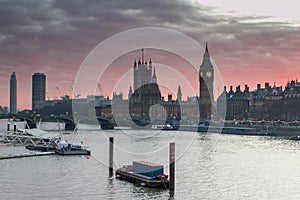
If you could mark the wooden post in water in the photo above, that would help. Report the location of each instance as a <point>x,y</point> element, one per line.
<point>172,166</point>
<point>8,124</point>
<point>15,127</point>
<point>111,156</point>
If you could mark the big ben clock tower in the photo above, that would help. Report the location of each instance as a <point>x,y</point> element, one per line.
<point>206,81</point>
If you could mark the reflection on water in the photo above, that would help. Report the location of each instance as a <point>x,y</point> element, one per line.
<point>208,166</point>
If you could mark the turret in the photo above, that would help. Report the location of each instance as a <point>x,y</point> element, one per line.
<point>246,89</point>
<point>130,93</point>
<point>154,79</point>
<point>150,64</point>
<point>142,55</point>
<point>135,64</point>
<point>231,90</point>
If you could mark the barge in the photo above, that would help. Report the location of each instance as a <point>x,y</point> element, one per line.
<point>144,174</point>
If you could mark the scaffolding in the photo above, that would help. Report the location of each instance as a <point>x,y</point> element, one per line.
<point>28,136</point>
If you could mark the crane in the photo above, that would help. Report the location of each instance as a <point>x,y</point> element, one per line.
<point>59,93</point>
<point>75,94</point>
<point>99,89</point>
<point>47,96</point>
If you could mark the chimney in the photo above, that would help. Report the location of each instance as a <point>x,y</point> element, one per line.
<point>267,85</point>
<point>169,97</point>
<point>258,86</point>
<point>293,83</point>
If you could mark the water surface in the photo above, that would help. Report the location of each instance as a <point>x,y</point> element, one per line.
<point>208,166</point>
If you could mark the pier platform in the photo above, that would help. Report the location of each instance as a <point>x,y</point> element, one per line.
<point>22,155</point>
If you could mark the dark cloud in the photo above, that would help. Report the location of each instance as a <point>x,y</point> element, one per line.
<point>56,35</point>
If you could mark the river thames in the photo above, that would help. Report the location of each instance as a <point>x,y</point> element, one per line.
<point>208,166</point>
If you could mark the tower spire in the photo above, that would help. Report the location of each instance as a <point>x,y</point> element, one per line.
<point>154,79</point>
<point>206,59</point>
<point>130,92</point>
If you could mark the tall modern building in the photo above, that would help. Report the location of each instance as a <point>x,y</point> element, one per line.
<point>13,94</point>
<point>206,80</point>
<point>38,88</point>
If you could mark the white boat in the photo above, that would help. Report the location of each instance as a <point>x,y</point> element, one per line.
<point>65,148</point>
<point>69,146</point>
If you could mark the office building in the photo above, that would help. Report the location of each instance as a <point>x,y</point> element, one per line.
<point>13,94</point>
<point>38,88</point>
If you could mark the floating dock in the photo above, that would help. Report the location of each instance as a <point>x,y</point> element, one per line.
<point>127,174</point>
<point>145,173</point>
<point>22,155</point>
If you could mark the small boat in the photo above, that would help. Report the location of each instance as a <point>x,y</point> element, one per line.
<point>64,148</point>
<point>144,174</point>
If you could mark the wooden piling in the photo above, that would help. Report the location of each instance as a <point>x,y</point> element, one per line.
<point>15,127</point>
<point>8,125</point>
<point>172,166</point>
<point>111,156</point>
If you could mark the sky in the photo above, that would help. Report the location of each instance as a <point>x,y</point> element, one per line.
<point>250,41</point>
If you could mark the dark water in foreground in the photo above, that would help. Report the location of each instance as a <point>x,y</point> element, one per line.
<point>210,166</point>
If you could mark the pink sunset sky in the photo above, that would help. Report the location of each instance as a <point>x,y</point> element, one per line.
<point>250,43</point>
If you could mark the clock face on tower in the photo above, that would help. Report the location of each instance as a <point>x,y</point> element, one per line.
<point>208,74</point>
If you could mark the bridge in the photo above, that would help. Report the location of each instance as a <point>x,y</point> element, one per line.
<point>32,119</point>
<point>105,122</point>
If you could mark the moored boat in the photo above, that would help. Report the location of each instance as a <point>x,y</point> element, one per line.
<point>65,148</point>
<point>144,174</point>
<point>73,150</point>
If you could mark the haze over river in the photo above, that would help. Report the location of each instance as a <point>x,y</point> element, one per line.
<point>208,166</point>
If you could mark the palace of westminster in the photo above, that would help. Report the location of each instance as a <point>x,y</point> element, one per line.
<point>264,103</point>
